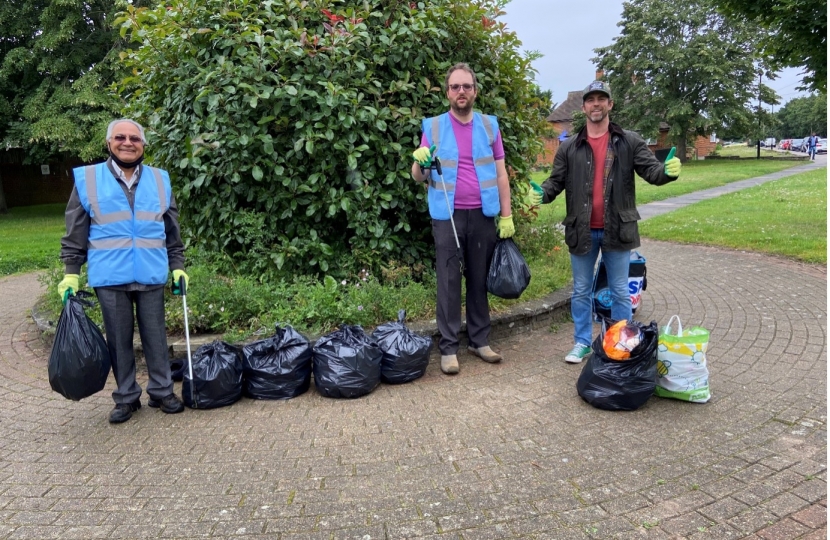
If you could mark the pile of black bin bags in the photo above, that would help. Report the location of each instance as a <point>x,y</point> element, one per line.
<point>348,363</point>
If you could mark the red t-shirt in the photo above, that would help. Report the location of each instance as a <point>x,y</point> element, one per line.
<point>599,146</point>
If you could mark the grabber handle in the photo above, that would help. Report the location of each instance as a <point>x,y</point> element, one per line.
<point>180,288</point>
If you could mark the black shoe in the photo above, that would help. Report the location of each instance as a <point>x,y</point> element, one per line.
<point>123,412</point>
<point>170,404</point>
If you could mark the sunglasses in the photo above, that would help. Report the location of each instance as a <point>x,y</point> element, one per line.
<point>135,139</point>
<point>458,87</point>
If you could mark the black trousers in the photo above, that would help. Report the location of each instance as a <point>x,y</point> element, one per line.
<point>117,308</point>
<point>477,236</point>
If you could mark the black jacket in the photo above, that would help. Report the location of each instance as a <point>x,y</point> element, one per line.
<point>573,172</point>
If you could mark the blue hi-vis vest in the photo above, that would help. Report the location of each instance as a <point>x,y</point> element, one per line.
<point>125,245</point>
<point>438,132</point>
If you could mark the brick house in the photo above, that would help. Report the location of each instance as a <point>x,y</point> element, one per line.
<point>562,120</point>
<point>696,148</point>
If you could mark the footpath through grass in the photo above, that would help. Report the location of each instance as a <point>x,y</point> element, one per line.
<point>785,217</point>
<point>30,237</point>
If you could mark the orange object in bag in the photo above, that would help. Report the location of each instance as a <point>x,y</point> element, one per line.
<point>620,340</point>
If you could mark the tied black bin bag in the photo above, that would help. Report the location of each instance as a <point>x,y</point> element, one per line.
<point>405,353</point>
<point>346,363</point>
<point>620,385</point>
<point>80,361</point>
<point>217,377</point>
<point>509,274</point>
<point>278,367</point>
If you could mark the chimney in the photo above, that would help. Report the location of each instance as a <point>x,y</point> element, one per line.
<point>599,75</point>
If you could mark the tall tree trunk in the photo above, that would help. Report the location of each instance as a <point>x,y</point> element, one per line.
<point>681,148</point>
<point>4,209</point>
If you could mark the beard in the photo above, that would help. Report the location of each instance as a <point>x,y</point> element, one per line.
<point>602,116</point>
<point>465,110</point>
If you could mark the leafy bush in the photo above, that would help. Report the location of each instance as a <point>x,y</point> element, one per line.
<point>287,125</point>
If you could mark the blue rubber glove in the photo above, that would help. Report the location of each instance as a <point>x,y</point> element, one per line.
<point>672,164</point>
<point>423,156</point>
<point>536,194</point>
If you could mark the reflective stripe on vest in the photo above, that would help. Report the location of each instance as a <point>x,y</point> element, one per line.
<point>125,245</point>
<point>438,132</point>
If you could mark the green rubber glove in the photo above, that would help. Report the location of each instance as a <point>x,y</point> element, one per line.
<point>536,194</point>
<point>672,164</point>
<point>505,227</point>
<point>178,274</point>
<point>423,156</point>
<point>67,286</point>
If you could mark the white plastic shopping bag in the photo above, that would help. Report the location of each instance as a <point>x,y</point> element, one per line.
<point>681,363</point>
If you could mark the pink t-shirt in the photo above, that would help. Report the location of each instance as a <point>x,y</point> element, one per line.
<point>467,192</point>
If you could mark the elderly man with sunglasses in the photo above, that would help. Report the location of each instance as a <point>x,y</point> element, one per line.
<point>474,193</point>
<point>122,220</point>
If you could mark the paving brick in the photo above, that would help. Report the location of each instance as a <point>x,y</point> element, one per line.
<point>505,451</point>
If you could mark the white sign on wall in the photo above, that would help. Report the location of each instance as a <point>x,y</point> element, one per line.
<point>44,169</point>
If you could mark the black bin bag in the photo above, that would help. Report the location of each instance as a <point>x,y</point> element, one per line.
<point>346,363</point>
<point>405,353</point>
<point>217,376</point>
<point>509,274</point>
<point>620,385</point>
<point>80,361</point>
<point>278,367</point>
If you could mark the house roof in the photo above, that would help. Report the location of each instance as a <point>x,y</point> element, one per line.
<point>565,111</point>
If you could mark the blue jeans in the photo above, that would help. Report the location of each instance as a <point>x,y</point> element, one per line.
<point>582,266</point>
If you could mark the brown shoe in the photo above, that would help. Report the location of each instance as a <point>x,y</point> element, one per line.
<point>449,364</point>
<point>486,353</point>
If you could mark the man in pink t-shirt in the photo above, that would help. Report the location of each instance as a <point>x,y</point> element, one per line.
<point>470,148</point>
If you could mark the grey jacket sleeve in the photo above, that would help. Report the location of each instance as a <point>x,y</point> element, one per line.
<point>74,243</point>
<point>175,246</point>
<point>646,164</point>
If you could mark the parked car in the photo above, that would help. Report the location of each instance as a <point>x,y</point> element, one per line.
<point>795,145</point>
<point>821,146</point>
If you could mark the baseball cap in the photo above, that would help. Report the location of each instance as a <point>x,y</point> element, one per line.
<point>597,86</point>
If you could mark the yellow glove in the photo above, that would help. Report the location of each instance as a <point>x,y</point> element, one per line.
<point>423,156</point>
<point>535,195</point>
<point>672,164</point>
<point>67,286</point>
<point>177,274</point>
<point>505,227</point>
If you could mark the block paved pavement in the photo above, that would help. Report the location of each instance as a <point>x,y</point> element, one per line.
<point>498,451</point>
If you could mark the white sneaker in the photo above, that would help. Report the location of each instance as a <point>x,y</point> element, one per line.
<point>576,355</point>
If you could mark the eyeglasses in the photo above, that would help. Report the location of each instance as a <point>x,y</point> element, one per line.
<point>458,87</point>
<point>135,139</point>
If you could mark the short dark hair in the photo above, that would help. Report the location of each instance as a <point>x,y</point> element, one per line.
<point>464,67</point>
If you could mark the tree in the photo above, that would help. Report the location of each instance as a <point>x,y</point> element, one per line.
<point>802,116</point>
<point>288,126</point>
<point>682,64</point>
<point>56,70</point>
<point>796,33</point>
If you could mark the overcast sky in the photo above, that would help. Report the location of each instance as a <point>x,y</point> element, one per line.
<point>567,34</point>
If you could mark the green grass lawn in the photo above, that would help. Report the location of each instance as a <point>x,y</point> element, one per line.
<point>744,151</point>
<point>785,217</point>
<point>30,237</point>
<point>696,175</point>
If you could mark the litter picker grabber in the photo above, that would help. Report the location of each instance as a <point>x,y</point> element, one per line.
<point>436,164</point>
<point>180,289</point>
